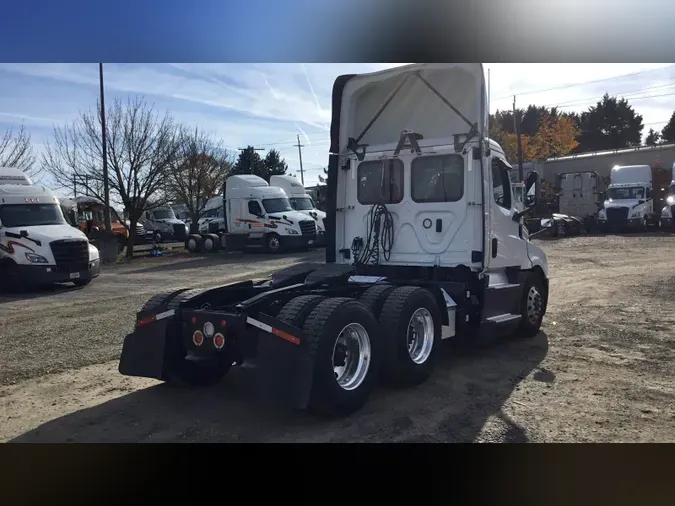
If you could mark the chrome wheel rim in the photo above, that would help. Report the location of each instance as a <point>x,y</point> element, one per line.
<point>534,304</point>
<point>351,356</point>
<point>420,335</point>
<point>274,243</point>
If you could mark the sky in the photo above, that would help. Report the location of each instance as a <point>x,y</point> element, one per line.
<point>270,105</point>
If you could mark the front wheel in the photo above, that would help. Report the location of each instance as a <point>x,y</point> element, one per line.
<point>532,306</point>
<point>273,243</point>
<point>158,237</point>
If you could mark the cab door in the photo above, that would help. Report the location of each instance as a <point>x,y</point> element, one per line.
<point>507,246</point>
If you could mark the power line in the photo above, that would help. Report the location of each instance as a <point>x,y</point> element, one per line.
<point>622,94</point>
<point>563,86</point>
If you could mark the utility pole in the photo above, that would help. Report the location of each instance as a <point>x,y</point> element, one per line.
<point>302,174</point>
<point>516,129</point>
<point>106,188</point>
<point>251,160</point>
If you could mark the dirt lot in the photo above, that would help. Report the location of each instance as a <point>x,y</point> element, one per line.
<point>601,370</point>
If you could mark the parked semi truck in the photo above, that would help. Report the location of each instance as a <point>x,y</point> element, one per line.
<point>161,223</point>
<point>37,245</point>
<point>630,200</point>
<point>668,210</point>
<point>302,202</point>
<point>258,215</point>
<point>424,244</point>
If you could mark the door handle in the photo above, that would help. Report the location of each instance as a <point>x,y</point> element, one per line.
<point>494,247</point>
<point>439,225</point>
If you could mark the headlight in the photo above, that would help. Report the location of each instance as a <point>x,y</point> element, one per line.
<point>36,259</point>
<point>670,199</point>
<point>601,215</point>
<point>293,232</point>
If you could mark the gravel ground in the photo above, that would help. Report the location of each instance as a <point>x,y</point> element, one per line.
<point>601,369</point>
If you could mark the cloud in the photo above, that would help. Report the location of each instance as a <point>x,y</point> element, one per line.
<point>268,105</point>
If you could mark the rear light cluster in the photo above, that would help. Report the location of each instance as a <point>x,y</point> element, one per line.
<point>209,331</point>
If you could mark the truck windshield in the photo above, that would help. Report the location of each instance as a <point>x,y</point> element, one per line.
<point>627,193</point>
<point>30,215</point>
<point>302,203</point>
<point>276,205</point>
<point>163,214</point>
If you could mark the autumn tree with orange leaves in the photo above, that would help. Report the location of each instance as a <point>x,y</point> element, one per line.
<point>555,136</point>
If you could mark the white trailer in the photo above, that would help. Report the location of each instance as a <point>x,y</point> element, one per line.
<point>37,245</point>
<point>425,244</point>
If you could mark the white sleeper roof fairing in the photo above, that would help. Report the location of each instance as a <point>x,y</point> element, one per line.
<point>435,100</point>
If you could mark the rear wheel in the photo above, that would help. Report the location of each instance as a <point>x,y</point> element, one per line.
<point>194,243</point>
<point>410,322</point>
<point>375,297</point>
<point>296,311</point>
<point>211,243</point>
<point>343,338</point>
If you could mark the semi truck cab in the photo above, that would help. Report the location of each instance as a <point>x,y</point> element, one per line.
<point>668,210</point>
<point>301,201</point>
<point>630,199</point>
<point>37,245</point>
<point>425,243</point>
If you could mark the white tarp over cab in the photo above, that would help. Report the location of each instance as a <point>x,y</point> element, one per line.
<point>436,100</point>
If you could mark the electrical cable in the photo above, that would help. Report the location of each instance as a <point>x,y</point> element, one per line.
<point>380,237</point>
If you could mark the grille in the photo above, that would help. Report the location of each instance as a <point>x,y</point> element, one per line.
<point>140,230</point>
<point>179,231</point>
<point>308,227</point>
<point>214,227</point>
<point>71,255</point>
<point>615,214</point>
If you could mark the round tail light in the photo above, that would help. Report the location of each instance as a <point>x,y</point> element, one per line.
<point>219,340</point>
<point>198,338</point>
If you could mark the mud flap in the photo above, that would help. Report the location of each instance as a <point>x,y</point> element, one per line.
<point>143,351</point>
<point>284,369</point>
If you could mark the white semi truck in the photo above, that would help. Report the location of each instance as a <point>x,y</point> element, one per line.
<point>37,245</point>
<point>424,244</point>
<point>668,210</point>
<point>301,201</point>
<point>162,224</point>
<point>630,200</point>
<point>258,215</point>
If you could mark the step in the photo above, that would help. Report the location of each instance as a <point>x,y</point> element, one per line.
<point>503,318</point>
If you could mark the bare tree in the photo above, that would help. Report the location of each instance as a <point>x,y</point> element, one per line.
<point>198,172</point>
<point>16,151</point>
<point>141,147</point>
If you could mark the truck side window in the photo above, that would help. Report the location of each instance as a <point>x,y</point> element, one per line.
<point>380,182</point>
<point>254,208</point>
<point>437,178</point>
<point>501,184</point>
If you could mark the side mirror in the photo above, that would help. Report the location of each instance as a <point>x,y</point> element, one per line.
<point>532,189</point>
<point>641,201</point>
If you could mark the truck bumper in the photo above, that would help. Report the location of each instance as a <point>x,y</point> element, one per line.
<point>284,364</point>
<point>632,224</point>
<point>36,275</point>
<point>299,241</point>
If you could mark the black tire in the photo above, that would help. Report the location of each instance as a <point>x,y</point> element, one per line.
<point>273,243</point>
<point>323,326</point>
<point>159,300</point>
<point>10,280</point>
<point>214,241</point>
<point>121,244</point>
<point>82,282</point>
<point>158,236</point>
<point>398,367</point>
<point>182,297</point>
<point>375,297</point>
<point>296,311</point>
<point>194,243</point>
<point>529,327</point>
